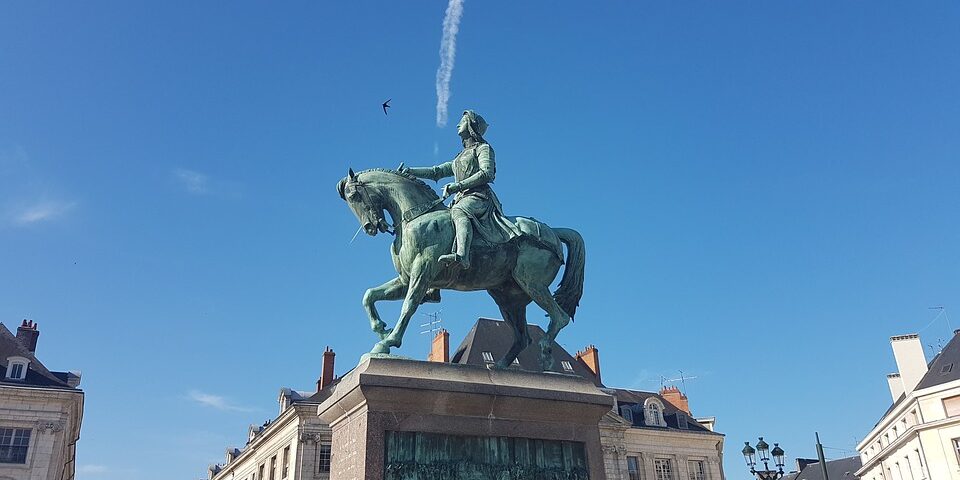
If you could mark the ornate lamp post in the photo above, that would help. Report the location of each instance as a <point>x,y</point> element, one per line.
<point>763,450</point>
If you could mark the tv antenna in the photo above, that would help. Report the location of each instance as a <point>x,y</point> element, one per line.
<point>434,324</point>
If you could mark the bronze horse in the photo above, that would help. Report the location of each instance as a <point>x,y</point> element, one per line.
<point>513,273</point>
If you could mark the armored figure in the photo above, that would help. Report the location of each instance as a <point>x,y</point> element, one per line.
<point>475,205</point>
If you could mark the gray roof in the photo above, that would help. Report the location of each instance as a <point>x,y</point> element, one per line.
<point>840,469</point>
<point>675,418</point>
<point>37,373</point>
<point>496,337</point>
<point>945,367</point>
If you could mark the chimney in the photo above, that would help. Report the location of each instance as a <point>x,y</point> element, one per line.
<point>28,334</point>
<point>326,376</point>
<point>590,357</point>
<point>440,348</point>
<point>676,398</point>
<point>911,362</point>
<point>896,385</point>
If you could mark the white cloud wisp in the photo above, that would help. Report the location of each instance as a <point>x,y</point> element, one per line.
<point>215,401</point>
<point>448,53</point>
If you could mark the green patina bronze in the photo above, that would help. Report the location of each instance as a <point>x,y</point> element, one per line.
<point>469,246</point>
<point>434,456</point>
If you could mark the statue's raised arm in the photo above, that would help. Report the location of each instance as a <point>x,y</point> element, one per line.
<point>434,173</point>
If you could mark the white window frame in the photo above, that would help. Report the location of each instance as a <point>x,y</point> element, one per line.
<point>567,367</point>
<point>23,362</point>
<point>487,357</point>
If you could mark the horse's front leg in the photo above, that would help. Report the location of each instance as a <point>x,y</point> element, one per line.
<point>392,290</point>
<point>421,275</point>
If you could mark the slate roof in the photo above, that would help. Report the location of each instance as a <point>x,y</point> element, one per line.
<point>945,367</point>
<point>37,373</point>
<point>675,418</point>
<point>840,469</point>
<point>496,337</point>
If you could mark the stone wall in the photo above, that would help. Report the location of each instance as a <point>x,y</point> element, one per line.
<point>53,417</point>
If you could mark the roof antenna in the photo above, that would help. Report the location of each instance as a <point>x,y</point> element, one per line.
<point>434,324</point>
<point>683,383</point>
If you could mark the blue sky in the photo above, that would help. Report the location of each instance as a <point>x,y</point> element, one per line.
<point>768,191</point>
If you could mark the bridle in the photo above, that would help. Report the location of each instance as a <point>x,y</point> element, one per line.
<point>371,210</point>
<point>407,216</point>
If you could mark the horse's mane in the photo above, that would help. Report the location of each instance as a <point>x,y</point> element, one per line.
<point>416,181</point>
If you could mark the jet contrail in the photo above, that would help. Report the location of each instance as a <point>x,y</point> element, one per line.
<point>448,52</point>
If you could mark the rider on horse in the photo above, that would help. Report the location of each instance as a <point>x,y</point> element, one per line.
<point>475,204</point>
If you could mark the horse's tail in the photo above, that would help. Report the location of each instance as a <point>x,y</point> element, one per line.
<point>571,285</point>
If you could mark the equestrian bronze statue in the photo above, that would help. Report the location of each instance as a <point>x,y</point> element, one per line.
<point>469,246</point>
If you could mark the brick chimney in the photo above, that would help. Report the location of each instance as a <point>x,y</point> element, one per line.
<point>590,357</point>
<point>326,376</point>
<point>676,398</point>
<point>28,334</point>
<point>440,348</point>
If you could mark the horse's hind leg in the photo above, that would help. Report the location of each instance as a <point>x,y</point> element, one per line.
<point>513,302</point>
<point>534,273</point>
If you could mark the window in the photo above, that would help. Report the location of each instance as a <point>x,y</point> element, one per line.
<point>952,406</point>
<point>653,413</point>
<point>273,468</point>
<point>17,368</point>
<point>488,357</point>
<point>697,470</point>
<point>566,366</point>
<point>286,463</point>
<point>261,472</point>
<point>923,474</point>
<point>633,468</point>
<point>956,447</point>
<point>323,458</point>
<point>946,369</point>
<point>663,468</point>
<point>627,413</point>
<point>516,361</point>
<point>13,445</point>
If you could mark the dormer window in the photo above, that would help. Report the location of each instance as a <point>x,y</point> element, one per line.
<point>566,366</point>
<point>653,412</point>
<point>17,368</point>
<point>488,357</point>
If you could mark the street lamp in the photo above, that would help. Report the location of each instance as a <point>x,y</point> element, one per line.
<point>763,450</point>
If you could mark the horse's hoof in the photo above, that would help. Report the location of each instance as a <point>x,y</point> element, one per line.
<point>380,348</point>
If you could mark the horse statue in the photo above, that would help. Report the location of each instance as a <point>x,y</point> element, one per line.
<point>513,273</point>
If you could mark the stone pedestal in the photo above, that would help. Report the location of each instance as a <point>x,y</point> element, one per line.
<point>505,407</point>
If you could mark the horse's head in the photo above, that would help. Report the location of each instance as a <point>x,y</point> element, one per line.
<point>364,203</point>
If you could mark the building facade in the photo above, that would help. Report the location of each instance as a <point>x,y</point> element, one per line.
<point>293,446</point>
<point>40,411</point>
<point>918,437</point>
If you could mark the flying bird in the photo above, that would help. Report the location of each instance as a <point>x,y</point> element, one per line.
<point>386,105</point>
